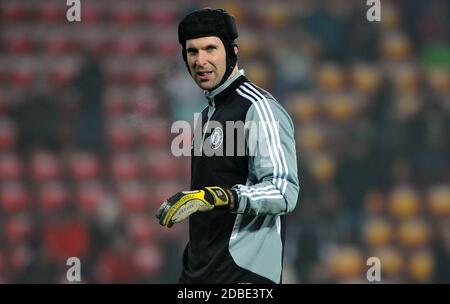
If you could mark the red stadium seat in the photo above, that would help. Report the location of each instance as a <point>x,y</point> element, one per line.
<point>140,229</point>
<point>120,134</point>
<point>13,11</point>
<point>52,11</point>
<point>125,166</point>
<point>92,12</point>
<point>19,43</point>
<point>11,167</point>
<point>129,45</point>
<point>115,266</point>
<point>125,14</point>
<point>8,134</point>
<point>164,190</point>
<point>115,102</point>
<point>52,196</point>
<point>163,166</point>
<point>142,72</point>
<point>84,166</point>
<point>22,76</point>
<point>145,101</point>
<point>64,72</point>
<point>162,15</point>
<point>14,197</point>
<point>45,166</point>
<point>58,43</point>
<point>133,197</point>
<point>89,195</point>
<point>20,257</point>
<point>155,133</point>
<point>147,260</point>
<point>17,228</point>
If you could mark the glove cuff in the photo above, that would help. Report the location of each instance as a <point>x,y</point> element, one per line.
<point>221,198</point>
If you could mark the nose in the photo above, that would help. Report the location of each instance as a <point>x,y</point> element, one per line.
<point>201,58</point>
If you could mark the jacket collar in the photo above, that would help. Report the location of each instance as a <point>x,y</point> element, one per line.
<point>219,94</point>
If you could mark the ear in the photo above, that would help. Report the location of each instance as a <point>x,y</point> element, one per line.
<point>236,49</point>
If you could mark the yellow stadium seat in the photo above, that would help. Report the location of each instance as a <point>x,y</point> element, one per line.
<point>404,202</point>
<point>421,266</point>
<point>438,201</point>
<point>413,233</point>
<point>377,231</point>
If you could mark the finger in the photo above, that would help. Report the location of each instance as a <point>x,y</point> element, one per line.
<point>160,210</point>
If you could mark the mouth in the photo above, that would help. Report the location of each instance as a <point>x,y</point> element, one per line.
<point>204,75</point>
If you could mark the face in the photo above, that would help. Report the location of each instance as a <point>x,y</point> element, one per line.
<point>206,58</point>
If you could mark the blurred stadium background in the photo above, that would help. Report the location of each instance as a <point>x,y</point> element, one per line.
<point>86,110</point>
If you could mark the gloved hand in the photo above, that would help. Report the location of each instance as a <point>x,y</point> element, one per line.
<point>178,207</point>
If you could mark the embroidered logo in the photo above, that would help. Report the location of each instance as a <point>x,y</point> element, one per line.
<point>216,138</point>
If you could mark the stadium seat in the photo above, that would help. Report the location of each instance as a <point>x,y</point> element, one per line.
<point>330,78</point>
<point>144,100</point>
<point>404,202</point>
<point>84,166</point>
<point>142,72</point>
<point>64,71</point>
<point>139,228</point>
<point>375,203</point>
<point>19,42</point>
<point>395,46</point>
<point>162,166</point>
<point>23,74</point>
<point>88,196</point>
<point>45,166</point>
<point>130,44</point>
<point>125,14</point>
<point>93,13</point>
<point>11,167</point>
<point>14,11</point>
<point>155,133</point>
<point>52,196</point>
<point>125,166</point>
<point>18,228</point>
<point>51,11</point>
<point>8,134</point>
<point>345,263</point>
<point>413,233</point>
<point>120,134</point>
<point>147,260</point>
<point>421,266</point>
<point>161,15</point>
<point>365,78</point>
<point>133,196</point>
<point>304,107</point>
<point>377,232</point>
<point>438,201</point>
<point>164,190</point>
<point>438,78</point>
<point>392,262</point>
<point>311,137</point>
<point>340,107</point>
<point>14,197</point>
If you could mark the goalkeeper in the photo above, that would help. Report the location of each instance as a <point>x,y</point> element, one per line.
<point>238,201</point>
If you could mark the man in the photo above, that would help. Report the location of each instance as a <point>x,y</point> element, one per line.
<point>237,202</point>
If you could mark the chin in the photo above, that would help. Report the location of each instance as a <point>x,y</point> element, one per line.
<point>206,86</point>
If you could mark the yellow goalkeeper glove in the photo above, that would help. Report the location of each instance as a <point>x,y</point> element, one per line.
<point>181,205</point>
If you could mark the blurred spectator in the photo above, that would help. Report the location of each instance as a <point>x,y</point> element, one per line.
<point>39,123</point>
<point>90,121</point>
